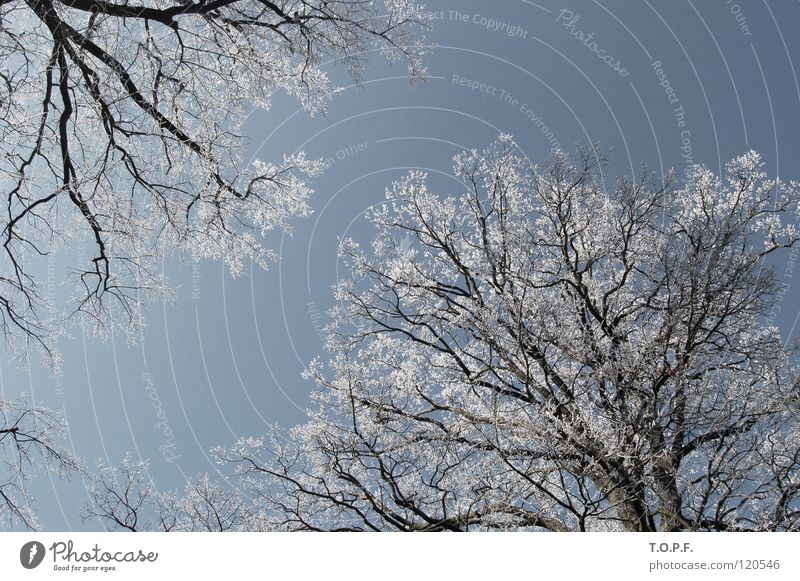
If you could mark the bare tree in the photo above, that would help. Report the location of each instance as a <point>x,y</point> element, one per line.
<point>29,440</point>
<point>119,495</point>
<point>544,352</point>
<point>212,506</point>
<point>121,124</point>
<point>124,498</point>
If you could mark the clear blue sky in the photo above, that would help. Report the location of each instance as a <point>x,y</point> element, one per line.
<point>664,83</point>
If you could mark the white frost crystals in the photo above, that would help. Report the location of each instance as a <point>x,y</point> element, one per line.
<point>120,126</point>
<point>552,355</point>
<point>30,440</point>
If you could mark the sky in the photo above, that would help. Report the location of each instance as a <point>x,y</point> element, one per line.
<point>667,84</point>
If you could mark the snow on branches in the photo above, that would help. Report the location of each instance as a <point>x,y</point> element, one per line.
<point>548,353</point>
<point>121,131</point>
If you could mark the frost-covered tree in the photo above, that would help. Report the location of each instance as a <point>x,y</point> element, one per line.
<point>121,124</point>
<point>30,440</point>
<point>545,351</point>
<point>124,498</point>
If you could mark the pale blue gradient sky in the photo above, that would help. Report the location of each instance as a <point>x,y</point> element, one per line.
<point>226,359</point>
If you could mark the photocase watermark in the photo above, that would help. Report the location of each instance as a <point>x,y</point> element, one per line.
<point>568,20</point>
<point>80,246</point>
<point>785,285</point>
<point>196,277</point>
<point>316,319</point>
<point>531,115</point>
<point>404,244</point>
<point>741,19</point>
<point>474,85</point>
<point>343,153</point>
<point>679,114</point>
<point>50,286</point>
<point>49,296</point>
<point>508,98</point>
<point>507,28</point>
<point>168,448</point>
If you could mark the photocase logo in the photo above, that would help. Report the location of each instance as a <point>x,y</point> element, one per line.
<point>31,554</point>
<point>404,245</point>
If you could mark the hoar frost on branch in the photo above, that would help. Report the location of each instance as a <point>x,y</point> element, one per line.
<point>123,498</point>
<point>120,124</point>
<point>30,440</point>
<point>551,354</point>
